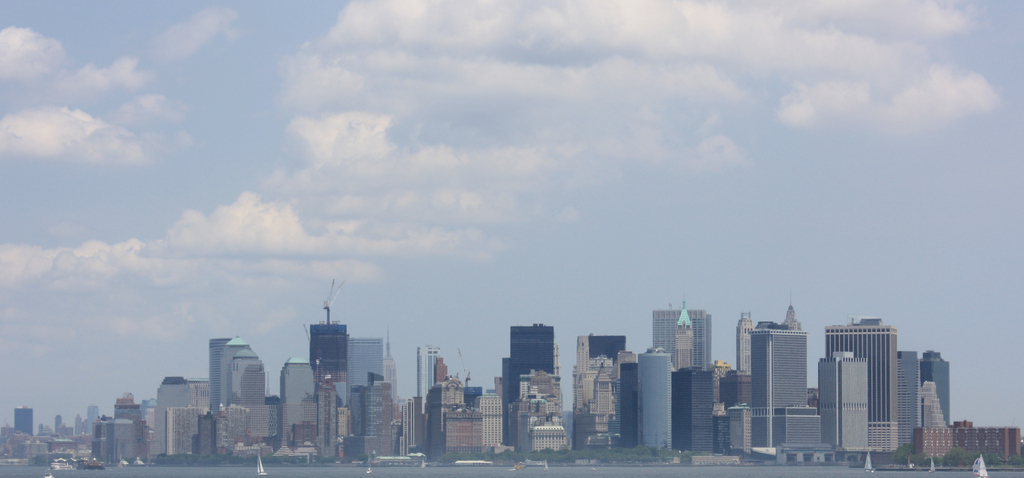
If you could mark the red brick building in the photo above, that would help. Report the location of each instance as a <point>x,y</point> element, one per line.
<point>936,442</point>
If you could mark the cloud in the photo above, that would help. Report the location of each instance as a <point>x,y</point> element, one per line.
<point>184,39</point>
<point>121,73</point>
<point>25,54</point>
<point>943,95</point>
<point>66,134</point>
<point>150,108</point>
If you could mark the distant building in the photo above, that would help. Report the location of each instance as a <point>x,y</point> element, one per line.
<point>490,409</point>
<point>734,388</point>
<point>843,401</point>
<point>328,351</point>
<point>868,337</point>
<point>743,328</point>
<point>931,407</point>
<point>908,401</point>
<point>390,368</point>
<point>719,370</point>
<point>248,380</point>
<point>216,379</point>
<point>935,369</point>
<point>182,428</point>
<point>791,323</point>
<point>440,370</point>
<point>594,378</point>
<point>23,420</point>
<point>721,436</point>
<point>538,411</point>
<point>426,358</point>
<point>414,425</point>
<point>206,435</point>
<point>298,397</point>
<point>365,355</point>
<point>739,428</point>
<point>655,374</point>
<point>778,382</point>
<point>692,403</point>
<point>327,418</point>
<point>936,442</point>
<point>692,328</point>
<point>700,320</point>
<point>199,390</point>
<point>531,348</point>
<point>629,404</point>
<point>173,393</point>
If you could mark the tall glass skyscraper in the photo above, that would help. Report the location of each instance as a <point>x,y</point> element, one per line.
<point>908,384</point>
<point>530,348</point>
<point>426,359</point>
<point>216,380</point>
<point>328,351</point>
<point>365,355</point>
<point>23,420</point>
<point>778,380</point>
<point>935,369</point>
<point>655,373</point>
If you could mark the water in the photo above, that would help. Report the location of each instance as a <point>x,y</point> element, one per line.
<point>495,471</point>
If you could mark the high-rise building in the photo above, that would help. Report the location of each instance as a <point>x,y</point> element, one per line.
<point>868,337</point>
<point>390,368</point>
<point>931,407</point>
<point>629,404</point>
<point>182,424</point>
<point>298,397</point>
<point>531,348</point>
<point>692,403</point>
<point>908,384</point>
<point>778,380</point>
<point>594,377</point>
<point>791,323</point>
<point>739,428</point>
<point>172,393</point>
<point>414,425</point>
<point>248,380</point>
<point>227,355</point>
<point>743,328</point>
<point>199,389</point>
<point>216,381</point>
<point>843,401</point>
<point>426,359</point>
<point>328,351</point>
<point>655,374</point>
<point>326,419</point>
<point>935,369</point>
<point>682,357</point>
<point>700,320</point>
<point>440,370</point>
<point>365,355</point>
<point>92,413</point>
<point>489,405</point>
<point>664,324</point>
<point>734,389</point>
<point>23,420</point>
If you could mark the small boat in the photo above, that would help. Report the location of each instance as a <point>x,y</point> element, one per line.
<point>122,464</point>
<point>259,466</point>
<point>519,466</point>
<point>931,469</point>
<point>138,462</point>
<point>60,464</point>
<point>369,469</point>
<point>545,465</point>
<point>979,467</point>
<point>867,464</point>
<point>423,464</point>
<point>47,474</point>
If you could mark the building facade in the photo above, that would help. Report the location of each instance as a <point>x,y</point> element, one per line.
<point>936,442</point>
<point>216,381</point>
<point>298,397</point>
<point>692,404</point>
<point>426,360</point>
<point>908,400</point>
<point>778,378</point>
<point>936,370</point>
<point>328,351</point>
<point>365,355</point>
<point>843,401</point>
<point>531,348</point>
<point>743,329</point>
<point>655,378</point>
<point>172,393</point>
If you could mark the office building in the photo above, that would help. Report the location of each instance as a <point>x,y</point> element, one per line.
<point>216,381</point>
<point>655,374</point>
<point>172,393</point>
<point>740,428</point>
<point>908,400</point>
<point>682,356</point>
<point>936,442</point>
<point>791,323</point>
<point>426,360</point>
<point>594,378</point>
<point>326,419</point>
<point>390,367</point>
<point>935,369</point>
<point>700,320</point>
<point>531,348</point>
<point>23,420</point>
<point>778,379</point>
<point>664,324</point>
<point>227,354</point>
<point>489,405</point>
<point>692,404</point>
<point>248,389</point>
<point>629,404</point>
<point>298,397</point>
<point>92,413</point>
<point>734,388</point>
<point>182,425</point>
<point>869,338</point>
<point>199,389</point>
<point>440,370</point>
<point>843,401</point>
<point>365,355</point>
<point>743,328</point>
<point>414,425</point>
<point>696,331</point>
<point>931,407</point>
<point>328,351</point>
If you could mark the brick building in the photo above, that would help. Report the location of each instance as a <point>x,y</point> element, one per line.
<point>936,442</point>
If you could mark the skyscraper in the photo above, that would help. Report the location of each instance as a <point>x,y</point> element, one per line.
<point>23,420</point>
<point>328,351</point>
<point>249,389</point>
<point>743,328</point>
<point>629,405</point>
<point>227,355</point>
<point>664,326</point>
<point>173,392</point>
<point>216,380</point>
<point>655,374</point>
<point>935,369</point>
<point>531,348</point>
<point>298,396</point>
<point>868,338</point>
<point>594,379</point>
<point>683,355</point>
<point>908,383</point>
<point>692,402</point>
<point>700,320</point>
<point>199,389</point>
<point>843,401</point>
<point>327,418</point>
<point>778,380</point>
<point>426,359</point>
<point>791,323</point>
<point>931,407</point>
<point>92,413</point>
<point>365,355</point>
<point>390,368</point>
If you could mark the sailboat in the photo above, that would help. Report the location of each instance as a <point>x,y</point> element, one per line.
<point>545,465</point>
<point>932,468</point>
<point>867,464</point>
<point>979,467</point>
<point>423,463</point>
<point>259,467</point>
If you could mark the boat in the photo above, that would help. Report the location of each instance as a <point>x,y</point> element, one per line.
<point>931,469</point>
<point>369,469</point>
<point>423,464</point>
<point>519,466</point>
<point>545,465</point>
<point>93,464</point>
<point>979,467</point>
<point>138,462</point>
<point>122,464</point>
<point>47,474</point>
<point>60,464</point>
<point>259,467</point>
<point>867,464</point>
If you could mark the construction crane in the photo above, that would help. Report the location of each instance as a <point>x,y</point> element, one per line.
<point>330,299</point>
<point>463,362</point>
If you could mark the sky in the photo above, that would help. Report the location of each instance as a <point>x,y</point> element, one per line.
<point>172,172</point>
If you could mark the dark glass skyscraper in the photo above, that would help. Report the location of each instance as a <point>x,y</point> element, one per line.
<point>693,397</point>
<point>629,405</point>
<point>216,380</point>
<point>328,351</point>
<point>23,420</point>
<point>530,348</point>
<point>935,369</point>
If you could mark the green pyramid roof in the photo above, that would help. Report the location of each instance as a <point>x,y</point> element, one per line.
<point>297,360</point>
<point>237,341</point>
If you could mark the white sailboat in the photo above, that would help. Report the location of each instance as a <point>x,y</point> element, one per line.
<point>979,467</point>
<point>259,467</point>
<point>867,464</point>
<point>423,463</point>
<point>931,469</point>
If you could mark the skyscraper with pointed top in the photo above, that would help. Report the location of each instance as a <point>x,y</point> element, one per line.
<point>682,355</point>
<point>791,323</point>
<point>390,367</point>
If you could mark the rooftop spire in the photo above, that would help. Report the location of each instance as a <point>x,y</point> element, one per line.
<point>684,316</point>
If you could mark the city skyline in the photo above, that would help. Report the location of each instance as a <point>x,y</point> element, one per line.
<point>573,165</point>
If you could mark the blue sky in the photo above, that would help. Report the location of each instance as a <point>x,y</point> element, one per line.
<point>172,172</point>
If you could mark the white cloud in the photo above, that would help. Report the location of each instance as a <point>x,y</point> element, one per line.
<point>717,153</point>
<point>943,95</point>
<point>149,108</point>
<point>25,54</point>
<point>121,73</point>
<point>66,134</point>
<point>184,39</point>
